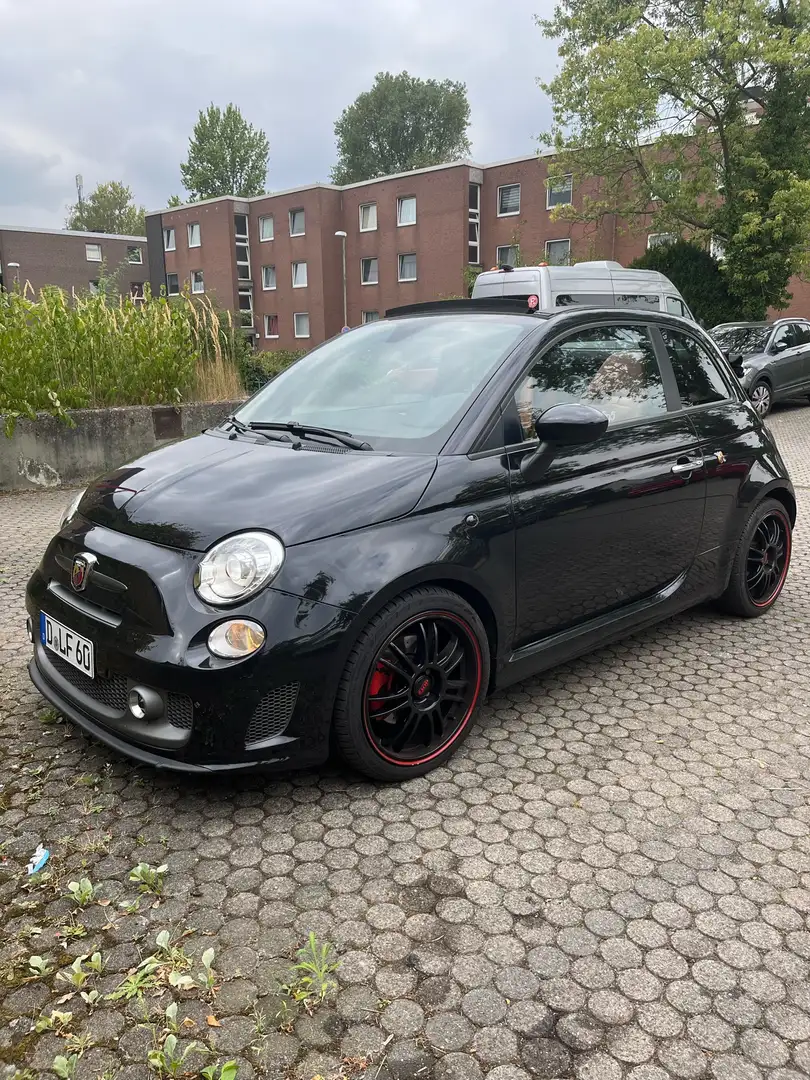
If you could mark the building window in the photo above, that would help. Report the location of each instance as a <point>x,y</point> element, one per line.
<point>406,210</point>
<point>559,191</point>
<point>246,306</point>
<point>240,226</point>
<point>301,323</point>
<point>271,326</point>
<point>197,283</point>
<point>508,200</point>
<point>168,240</point>
<point>299,275</point>
<point>558,252</point>
<point>474,225</point>
<point>368,217</point>
<point>134,255</point>
<point>268,277</point>
<point>266,228</point>
<point>172,285</point>
<point>136,292</point>
<point>243,262</point>
<point>407,267</point>
<point>508,256</point>
<point>660,239</point>
<point>92,287</point>
<point>194,234</point>
<point>370,316</point>
<point>297,224</point>
<point>93,252</point>
<point>369,271</point>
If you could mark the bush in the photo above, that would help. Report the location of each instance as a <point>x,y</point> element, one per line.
<point>697,276</point>
<point>257,368</point>
<point>93,351</point>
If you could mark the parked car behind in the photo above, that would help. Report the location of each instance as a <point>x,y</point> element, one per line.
<point>772,358</point>
<point>588,284</point>
<point>466,494</point>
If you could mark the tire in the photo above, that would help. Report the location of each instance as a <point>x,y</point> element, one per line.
<point>421,666</point>
<point>753,590</point>
<point>761,397</point>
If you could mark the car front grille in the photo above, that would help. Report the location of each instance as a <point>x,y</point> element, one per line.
<point>112,691</point>
<point>272,714</point>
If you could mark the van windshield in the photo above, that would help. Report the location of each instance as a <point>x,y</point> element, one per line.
<point>399,384</point>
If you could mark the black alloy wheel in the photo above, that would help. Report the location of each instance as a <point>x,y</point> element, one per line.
<point>412,684</point>
<point>761,563</point>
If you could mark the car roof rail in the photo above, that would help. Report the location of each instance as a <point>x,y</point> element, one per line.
<point>498,305</point>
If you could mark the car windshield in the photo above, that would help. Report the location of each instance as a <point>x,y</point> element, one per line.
<point>400,384</point>
<point>742,339</point>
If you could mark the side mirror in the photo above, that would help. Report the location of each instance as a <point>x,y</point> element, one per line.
<point>562,425</point>
<point>778,346</point>
<point>570,425</point>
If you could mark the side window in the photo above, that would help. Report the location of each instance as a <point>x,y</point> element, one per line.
<point>783,338</point>
<point>804,333</point>
<point>675,306</point>
<point>612,368</point>
<point>589,299</point>
<point>698,378</point>
<point>649,301</point>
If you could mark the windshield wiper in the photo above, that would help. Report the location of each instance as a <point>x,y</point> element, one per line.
<point>251,429</point>
<point>301,431</point>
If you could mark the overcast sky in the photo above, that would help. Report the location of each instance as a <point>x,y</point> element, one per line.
<point>111,88</point>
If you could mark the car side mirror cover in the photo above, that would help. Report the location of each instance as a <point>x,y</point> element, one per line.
<point>778,346</point>
<point>570,424</point>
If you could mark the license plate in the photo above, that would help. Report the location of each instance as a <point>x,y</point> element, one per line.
<point>71,646</point>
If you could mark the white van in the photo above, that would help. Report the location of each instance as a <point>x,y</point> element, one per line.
<point>594,284</point>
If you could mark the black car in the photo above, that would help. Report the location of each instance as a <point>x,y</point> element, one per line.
<point>774,358</point>
<point>417,512</point>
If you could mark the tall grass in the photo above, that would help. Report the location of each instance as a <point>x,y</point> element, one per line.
<point>88,351</point>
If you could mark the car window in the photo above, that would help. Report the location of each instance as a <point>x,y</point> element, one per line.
<point>742,339</point>
<point>402,384</point>
<point>698,378</point>
<point>588,299</point>
<point>802,333</point>
<point>612,368</point>
<point>787,336</point>
<point>639,300</point>
<point>675,306</point>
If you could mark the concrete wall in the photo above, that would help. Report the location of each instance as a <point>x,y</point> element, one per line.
<point>46,453</point>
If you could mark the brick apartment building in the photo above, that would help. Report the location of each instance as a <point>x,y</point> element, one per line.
<point>409,238</point>
<point>72,260</point>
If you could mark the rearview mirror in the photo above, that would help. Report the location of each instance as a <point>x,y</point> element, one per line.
<point>562,425</point>
<point>570,425</point>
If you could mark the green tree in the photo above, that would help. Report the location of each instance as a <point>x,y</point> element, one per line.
<point>401,123</point>
<point>697,276</point>
<point>174,200</point>
<point>657,101</point>
<point>226,156</point>
<point>108,209</point>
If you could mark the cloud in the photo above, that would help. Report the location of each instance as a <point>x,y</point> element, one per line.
<point>111,89</point>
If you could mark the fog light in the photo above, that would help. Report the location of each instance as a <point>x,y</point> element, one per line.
<point>144,703</point>
<point>236,638</point>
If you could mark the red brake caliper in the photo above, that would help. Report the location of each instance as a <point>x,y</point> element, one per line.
<point>381,681</point>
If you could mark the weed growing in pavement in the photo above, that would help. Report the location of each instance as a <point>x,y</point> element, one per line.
<point>76,975</point>
<point>166,1060</point>
<point>82,891</point>
<point>65,1067</point>
<point>57,1021</point>
<point>149,878</point>
<point>208,977</point>
<point>227,1071</point>
<point>313,971</point>
<point>40,966</point>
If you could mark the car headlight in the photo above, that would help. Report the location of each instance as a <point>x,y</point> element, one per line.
<point>238,567</point>
<point>71,509</point>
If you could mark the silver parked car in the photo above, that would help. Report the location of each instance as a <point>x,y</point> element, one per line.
<point>772,359</point>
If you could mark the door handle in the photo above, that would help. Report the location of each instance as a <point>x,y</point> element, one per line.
<point>717,458</point>
<point>689,465</point>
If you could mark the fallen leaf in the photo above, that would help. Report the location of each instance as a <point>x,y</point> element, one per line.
<point>103,903</point>
<point>189,1023</point>
<point>212,1021</point>
<point>67,997</point>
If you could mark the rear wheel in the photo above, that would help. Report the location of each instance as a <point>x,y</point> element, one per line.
<point>761,398</point>
<point>411,685</point>
<point>761,563</point>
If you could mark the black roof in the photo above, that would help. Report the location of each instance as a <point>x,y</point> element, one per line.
<point>493,305</point>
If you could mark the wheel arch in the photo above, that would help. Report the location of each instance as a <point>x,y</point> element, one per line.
<point>785,497</point>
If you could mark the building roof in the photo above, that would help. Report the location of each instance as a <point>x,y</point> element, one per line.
<point>361,183</point>
<point>72,232</point>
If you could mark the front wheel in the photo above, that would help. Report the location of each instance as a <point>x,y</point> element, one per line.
<point>761,563</point>
<point>411,685</point>
<point>761,398</point>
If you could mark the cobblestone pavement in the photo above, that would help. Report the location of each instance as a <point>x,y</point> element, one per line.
<point>610,880</point>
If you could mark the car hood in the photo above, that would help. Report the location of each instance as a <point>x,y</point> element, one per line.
<point>192,493</point>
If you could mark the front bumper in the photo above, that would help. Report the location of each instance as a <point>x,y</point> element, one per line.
<point>271,711</point>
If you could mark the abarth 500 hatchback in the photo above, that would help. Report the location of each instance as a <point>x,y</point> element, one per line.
<point>415,513</point>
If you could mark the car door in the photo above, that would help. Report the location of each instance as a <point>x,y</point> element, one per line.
<point>724,425</point>
<point>786,361</point>
<point>615,521</point>
<point>802,347</point>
